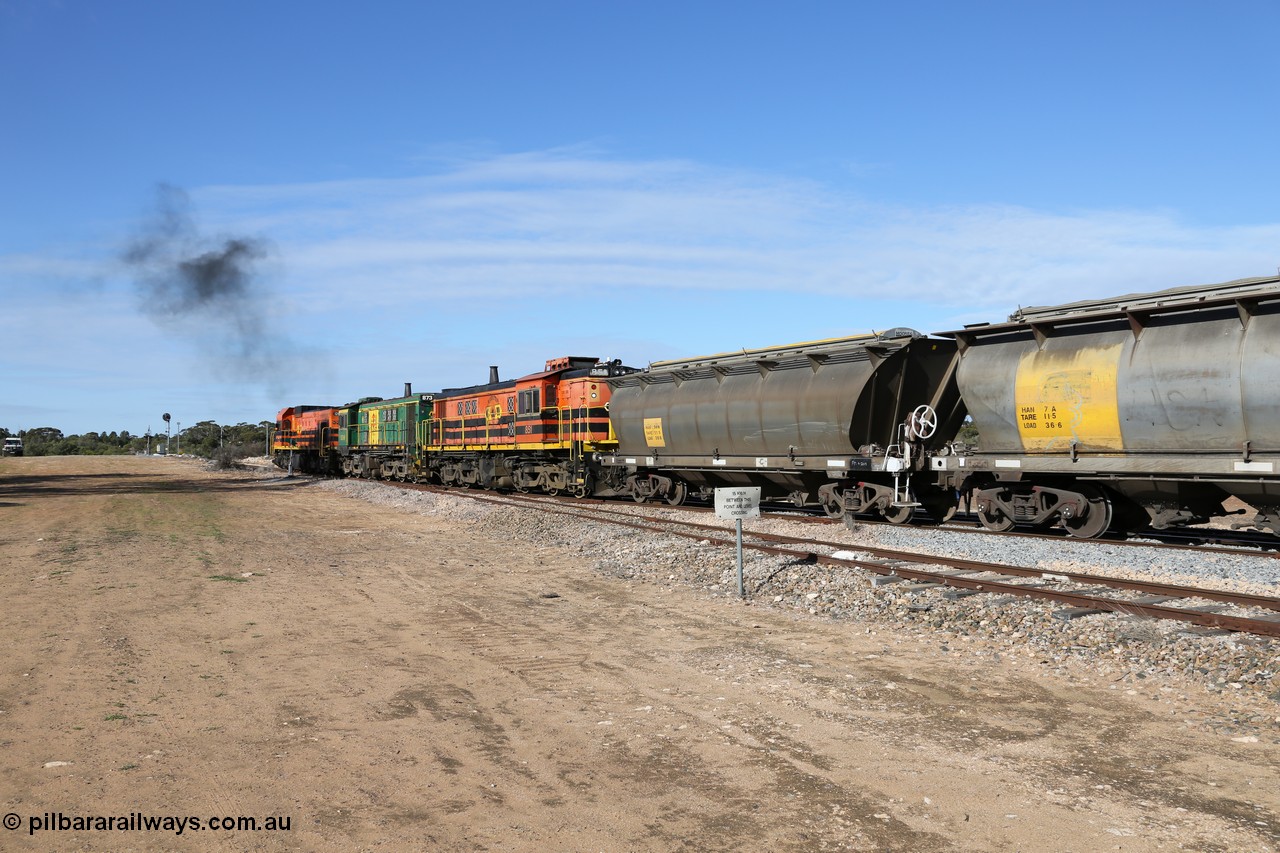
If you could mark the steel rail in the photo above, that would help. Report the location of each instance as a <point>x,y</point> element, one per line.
<point>1251,544</point>
<point>892,565</point>
<point>1213,540</point>
<point>1248,543</point>
<point>1242,599</point>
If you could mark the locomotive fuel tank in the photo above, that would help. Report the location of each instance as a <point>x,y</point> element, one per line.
<point>1170,398</point>
<point>787,418</point>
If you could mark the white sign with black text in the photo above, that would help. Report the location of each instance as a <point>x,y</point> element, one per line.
<point>738,503</point>
<point>743,502</point>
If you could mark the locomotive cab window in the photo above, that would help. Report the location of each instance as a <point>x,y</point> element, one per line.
<point>528,401</point>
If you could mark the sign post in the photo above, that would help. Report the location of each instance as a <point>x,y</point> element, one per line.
<point>738,503</point>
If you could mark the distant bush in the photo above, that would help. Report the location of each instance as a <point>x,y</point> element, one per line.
<point>968,434</point>
<point>229,456</point>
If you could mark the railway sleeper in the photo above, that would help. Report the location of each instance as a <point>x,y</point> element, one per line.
<point>1069,613</point>
<point>920,586</point>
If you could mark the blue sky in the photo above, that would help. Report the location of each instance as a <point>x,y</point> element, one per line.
<point>431,188</point>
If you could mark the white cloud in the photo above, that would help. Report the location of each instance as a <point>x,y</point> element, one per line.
<point>555,222</point>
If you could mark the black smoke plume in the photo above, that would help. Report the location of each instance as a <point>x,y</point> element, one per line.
<point>209,290</point>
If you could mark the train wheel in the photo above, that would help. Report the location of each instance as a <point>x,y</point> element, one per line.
<point>833,509</point>
<point>995,520</point>
<point>940,505</point>
<point>638,497</point>
<point>1096,521</point>
<point>941,511</point>
<point>898,514</point>
<point>677,494</point>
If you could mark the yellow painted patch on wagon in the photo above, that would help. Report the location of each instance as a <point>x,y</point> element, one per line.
<point>653,432</point>
<point>1069,396</point>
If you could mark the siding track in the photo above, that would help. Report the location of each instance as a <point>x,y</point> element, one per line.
<point>1083,593</point>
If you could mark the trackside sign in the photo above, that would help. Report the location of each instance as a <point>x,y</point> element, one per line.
<point>738,502</point>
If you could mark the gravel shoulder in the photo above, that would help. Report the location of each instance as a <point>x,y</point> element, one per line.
<point>417,671</point>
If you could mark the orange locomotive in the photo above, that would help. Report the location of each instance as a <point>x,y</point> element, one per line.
<point>537,432</point>
<point>306,439</point>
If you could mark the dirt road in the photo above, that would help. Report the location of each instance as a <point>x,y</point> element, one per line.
<point>189,643</point>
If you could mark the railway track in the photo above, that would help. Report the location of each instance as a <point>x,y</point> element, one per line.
<point>1081,593</point>
<point>1207,540</point>
<point>1190,539</point>
<point>1204,540</point>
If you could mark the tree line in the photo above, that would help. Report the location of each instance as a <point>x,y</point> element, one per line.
<point>206,438</point>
